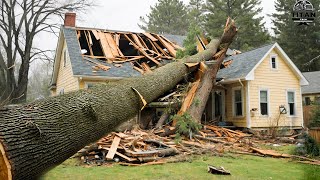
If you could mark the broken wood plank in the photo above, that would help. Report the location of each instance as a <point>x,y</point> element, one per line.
<point>212,140</point>
<point>113,148</point>
<point>96,34</point>
<point>142,51</point>
<point>150,36</point>
<point>112,44</point>
<point>138,69</point>
<point>169,47</point>
<point>146,67</point>
<point>89,41</point>
<point>122,155</point>
<point>105,46</point>
<point>176,46</point>
<point>154,48</point>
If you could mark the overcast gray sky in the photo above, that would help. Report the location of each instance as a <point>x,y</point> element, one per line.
<point>124,14</point>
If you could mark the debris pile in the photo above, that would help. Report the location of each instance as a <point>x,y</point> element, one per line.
<point>137,146</point>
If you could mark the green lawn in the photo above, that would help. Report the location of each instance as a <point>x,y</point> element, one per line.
<point>240,166</point>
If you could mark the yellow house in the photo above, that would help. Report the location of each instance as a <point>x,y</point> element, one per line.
<point>260,88</point>
<point>311,93</point>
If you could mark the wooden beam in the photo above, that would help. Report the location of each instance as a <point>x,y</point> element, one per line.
<point>150,36</point>
<point>166,44</point>
<point>88,42</point>
<point>113,148</point>
<point>142,51</point>
<point>105,46</point>
<point>112,44</point>
<point>96,34</point>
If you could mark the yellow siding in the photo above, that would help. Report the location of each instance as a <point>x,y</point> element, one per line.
<point>237,121</point>
<point>65,79</point>
<point>277,82</point>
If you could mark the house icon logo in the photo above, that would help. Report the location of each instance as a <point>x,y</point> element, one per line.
<point>303,12</point>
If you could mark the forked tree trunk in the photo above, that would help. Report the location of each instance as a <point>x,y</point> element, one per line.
<point>209,78</point>
<point>35,137</point>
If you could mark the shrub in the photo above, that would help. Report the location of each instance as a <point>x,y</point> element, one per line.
<point>186,126</point>
<point>315,118</point>
<point>310,147</point>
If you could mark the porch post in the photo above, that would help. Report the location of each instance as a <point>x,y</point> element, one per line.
<point>248,115</point>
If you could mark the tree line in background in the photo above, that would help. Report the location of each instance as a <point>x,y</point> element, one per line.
<point>300,42</point>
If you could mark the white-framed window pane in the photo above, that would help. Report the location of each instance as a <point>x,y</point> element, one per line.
<point>264,102</point>
<point>238,102</point>
<point>264,96</point>
<point>237,95</point>
<point>291,103</point>
<point>273,62</point>
<point>291,97</point>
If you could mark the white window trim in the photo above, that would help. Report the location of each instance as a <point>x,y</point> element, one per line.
<point>295,103</point>
<point>276,58</point>
<point>242,101</point>
<point>268,102</point>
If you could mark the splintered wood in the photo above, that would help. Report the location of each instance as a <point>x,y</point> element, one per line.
<point>147,147</point>
<point>146,51</point>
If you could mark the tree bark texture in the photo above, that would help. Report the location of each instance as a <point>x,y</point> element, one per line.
<point>37,136</point>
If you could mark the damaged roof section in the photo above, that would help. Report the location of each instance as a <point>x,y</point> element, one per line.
<point>123,54</point>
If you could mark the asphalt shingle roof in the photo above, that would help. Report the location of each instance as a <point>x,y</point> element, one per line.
<point>243,63</point>
<point>314,82</point>
<point>175,39</point>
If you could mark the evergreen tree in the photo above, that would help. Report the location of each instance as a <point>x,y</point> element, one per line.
<point>166,17</point>
<point>252,32</point>
<point>196,9</point>
<point>300,42</point>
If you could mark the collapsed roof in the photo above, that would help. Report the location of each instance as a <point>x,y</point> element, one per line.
<point>114,54</point>
<point>143,51</point>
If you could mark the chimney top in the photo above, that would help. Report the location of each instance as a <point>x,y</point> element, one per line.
<point>70,19</point>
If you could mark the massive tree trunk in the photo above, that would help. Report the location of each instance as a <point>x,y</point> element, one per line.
<point>37,136</point>
<point>209,78</point>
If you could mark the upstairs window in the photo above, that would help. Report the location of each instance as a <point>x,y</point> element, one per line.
<point>64,58</point>
<point>264,102</point>
<point>273,62</point>
<point>237,102</point>
<point>291,103</point>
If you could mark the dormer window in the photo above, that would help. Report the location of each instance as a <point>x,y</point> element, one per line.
<point>273,62</point>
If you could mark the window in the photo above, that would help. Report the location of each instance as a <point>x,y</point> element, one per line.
<point>264,102</point>
<point>291,103</point>
<point>317,100</point>
<point>273,62</point>
<point>307,100</point>
<point>64,58</point>
<point>61,92</point>
<point>237,102</point>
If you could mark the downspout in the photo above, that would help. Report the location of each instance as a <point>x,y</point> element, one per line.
<point>248,115</point>
<point>302,123</point>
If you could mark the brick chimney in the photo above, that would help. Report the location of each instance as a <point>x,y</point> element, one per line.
<point>70,19</point>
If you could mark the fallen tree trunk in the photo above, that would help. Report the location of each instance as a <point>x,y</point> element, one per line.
<point>209,78</point>
<point>37,136</point>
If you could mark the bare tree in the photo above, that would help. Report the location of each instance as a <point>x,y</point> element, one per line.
<point>20,22</point>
